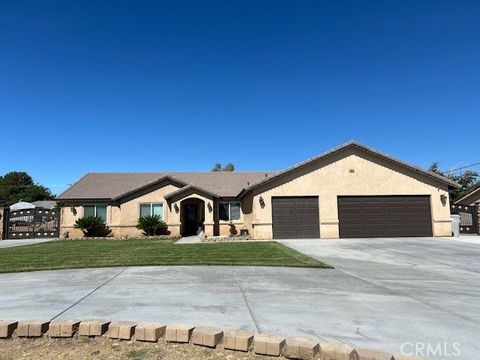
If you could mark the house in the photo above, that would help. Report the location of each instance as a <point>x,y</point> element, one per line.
<point>470,199</point>
<point>349,191</point>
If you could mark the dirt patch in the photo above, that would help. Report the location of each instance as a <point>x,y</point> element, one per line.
<point>104,349</point>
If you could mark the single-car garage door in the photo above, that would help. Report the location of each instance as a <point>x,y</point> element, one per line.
<point>384,216</point>
<point>295,217</point>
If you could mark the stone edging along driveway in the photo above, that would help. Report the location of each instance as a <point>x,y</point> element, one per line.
<point>234,340</point>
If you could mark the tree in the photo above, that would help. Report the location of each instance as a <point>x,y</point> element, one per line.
<point>468,179</point>
<point>16,186</point>
<point>217,167</point>
<point>228,167</point>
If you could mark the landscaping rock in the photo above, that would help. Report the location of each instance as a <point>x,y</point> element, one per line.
<point>94,327</point>
<point>122,330</point>
<point>207,336</point>
<point>63,328</point>
<point>301,348</point>
<point>149,332</point>
<point>7,327</point>
<point>265,344</point>
<point>32,328</point>
<point>373,354</point>
<point>179,333</point>
<point>337,351</point>
<point>239,340</point>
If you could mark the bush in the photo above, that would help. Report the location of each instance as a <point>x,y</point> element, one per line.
<point>92,226</point>
<point>152,225</point>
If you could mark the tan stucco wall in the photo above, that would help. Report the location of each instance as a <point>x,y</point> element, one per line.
<point>335,179</point>
<point>122,218</point>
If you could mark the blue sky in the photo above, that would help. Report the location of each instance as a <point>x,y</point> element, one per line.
<point>180,85</point>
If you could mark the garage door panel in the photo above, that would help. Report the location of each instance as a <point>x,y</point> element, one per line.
<point>384,216</point>
<point>295,217</point>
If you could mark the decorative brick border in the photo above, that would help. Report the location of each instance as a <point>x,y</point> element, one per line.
<point>235,340</point>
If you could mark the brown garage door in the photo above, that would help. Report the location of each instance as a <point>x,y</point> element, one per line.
<point>295,217</point>
<point>384,216</point>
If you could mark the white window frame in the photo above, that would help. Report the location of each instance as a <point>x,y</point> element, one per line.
<point>229,211</point>
<point>95,210</point>
<point>151,208</point>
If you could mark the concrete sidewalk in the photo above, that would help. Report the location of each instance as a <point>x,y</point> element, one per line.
<point>13,243</point>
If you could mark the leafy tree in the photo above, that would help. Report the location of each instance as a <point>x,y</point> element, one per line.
<point>92,226</point>
<point>228,167</point>
<point>16,186</point>
<point>152,225</point>
<point>217,167</point>
<point>468,179</point>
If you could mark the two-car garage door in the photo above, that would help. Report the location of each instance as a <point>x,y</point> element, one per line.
<point>359,216</point>
<point>384,216</point>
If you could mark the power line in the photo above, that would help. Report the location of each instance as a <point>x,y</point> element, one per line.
<point>464,167</point>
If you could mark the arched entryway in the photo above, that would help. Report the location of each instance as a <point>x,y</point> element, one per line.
<point>192,216</point>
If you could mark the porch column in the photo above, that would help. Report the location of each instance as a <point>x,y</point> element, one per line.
<point>209,223</point>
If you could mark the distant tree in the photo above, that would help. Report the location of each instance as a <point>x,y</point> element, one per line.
<point>468,179</point>
<point>16,186</point>
<point>217,167</point>
<point>228,167</point>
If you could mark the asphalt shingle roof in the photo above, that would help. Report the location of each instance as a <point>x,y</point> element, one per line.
<point>115,185</point>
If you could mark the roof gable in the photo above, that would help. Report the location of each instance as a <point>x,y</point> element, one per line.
<point>470,198</point>
<point>352,145</point>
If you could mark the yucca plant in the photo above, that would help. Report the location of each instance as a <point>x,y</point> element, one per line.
<point>152,225</point>
<point>92,226</point>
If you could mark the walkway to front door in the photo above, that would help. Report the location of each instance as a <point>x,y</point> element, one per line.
<point>195,239</point>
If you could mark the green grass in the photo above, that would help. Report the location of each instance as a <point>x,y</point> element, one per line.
<point>72,254</point>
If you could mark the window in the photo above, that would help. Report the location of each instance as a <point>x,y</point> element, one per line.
<point>150,209</point>
<point>96,210</point>
<point>229,211</point>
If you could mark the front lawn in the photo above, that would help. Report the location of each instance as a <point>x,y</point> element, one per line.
<point>71,254</point>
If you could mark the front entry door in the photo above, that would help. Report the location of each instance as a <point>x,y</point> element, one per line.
<point>191,219</point>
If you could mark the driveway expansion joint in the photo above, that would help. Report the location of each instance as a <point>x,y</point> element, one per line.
<point>90,293</point>
<point>242,291</point>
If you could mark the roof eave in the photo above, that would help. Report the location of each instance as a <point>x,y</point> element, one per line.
<point>193,188</point>
<point>450,183</point>
<point>146,186</point>
<point>466,196</point>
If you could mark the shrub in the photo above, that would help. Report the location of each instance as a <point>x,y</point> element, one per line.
<point>92,226</point>
<point>152,225</point>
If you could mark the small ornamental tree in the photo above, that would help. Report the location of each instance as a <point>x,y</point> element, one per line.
<point>92,226</point>
<point>152,225</point>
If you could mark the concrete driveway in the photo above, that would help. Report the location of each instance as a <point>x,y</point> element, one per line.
<point>383,293</point>
<point>13,243</point>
